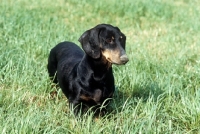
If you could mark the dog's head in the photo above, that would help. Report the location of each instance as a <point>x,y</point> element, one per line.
<point>107,41</point>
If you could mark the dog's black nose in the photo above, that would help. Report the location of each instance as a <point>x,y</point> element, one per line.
<point>124,59</point>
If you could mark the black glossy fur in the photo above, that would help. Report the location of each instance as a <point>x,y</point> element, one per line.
<point>87,78</point>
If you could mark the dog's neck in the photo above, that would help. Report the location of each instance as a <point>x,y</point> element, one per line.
<point>96,67</point>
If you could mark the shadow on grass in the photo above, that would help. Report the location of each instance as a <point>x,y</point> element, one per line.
<point>138,92</point>
<point>146,91</point>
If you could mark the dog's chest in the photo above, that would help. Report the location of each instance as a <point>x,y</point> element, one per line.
<point>96,91</point>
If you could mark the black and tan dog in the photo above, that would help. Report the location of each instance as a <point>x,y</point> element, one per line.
<point>87,78</point>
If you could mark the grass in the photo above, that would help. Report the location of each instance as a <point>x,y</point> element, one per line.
<point>158,91</point>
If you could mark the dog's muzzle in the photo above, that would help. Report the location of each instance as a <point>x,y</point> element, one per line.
<point>124,59</point>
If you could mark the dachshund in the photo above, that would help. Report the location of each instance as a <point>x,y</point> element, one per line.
<point>86,77</point>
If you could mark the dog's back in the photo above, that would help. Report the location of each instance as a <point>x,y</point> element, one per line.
<point>65,53</point>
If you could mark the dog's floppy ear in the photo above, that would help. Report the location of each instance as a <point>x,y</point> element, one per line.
<point>90,42</point>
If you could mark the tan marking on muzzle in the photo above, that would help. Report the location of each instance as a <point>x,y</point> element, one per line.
<point>113,56</point>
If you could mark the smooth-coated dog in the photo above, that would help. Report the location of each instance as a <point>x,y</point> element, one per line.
<point>87,79</point>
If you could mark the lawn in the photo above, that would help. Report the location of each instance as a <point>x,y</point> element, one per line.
<point>157,91</point>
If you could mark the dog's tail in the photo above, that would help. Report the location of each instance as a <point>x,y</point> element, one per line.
<point>52,66</point>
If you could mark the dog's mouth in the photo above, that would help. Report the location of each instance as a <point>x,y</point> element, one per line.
<point>114,57</point>
<point>109,60</point>
<point>112,62</point>
<point>122,61</point>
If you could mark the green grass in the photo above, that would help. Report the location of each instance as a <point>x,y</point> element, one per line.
<point>158,90</point>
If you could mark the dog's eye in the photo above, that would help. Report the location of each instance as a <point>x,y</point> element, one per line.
<point>110,40</point>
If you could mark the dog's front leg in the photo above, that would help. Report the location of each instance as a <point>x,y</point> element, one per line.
<point>75,107</point>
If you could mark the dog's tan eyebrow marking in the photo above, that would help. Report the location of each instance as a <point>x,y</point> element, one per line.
<point>113,38</point>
